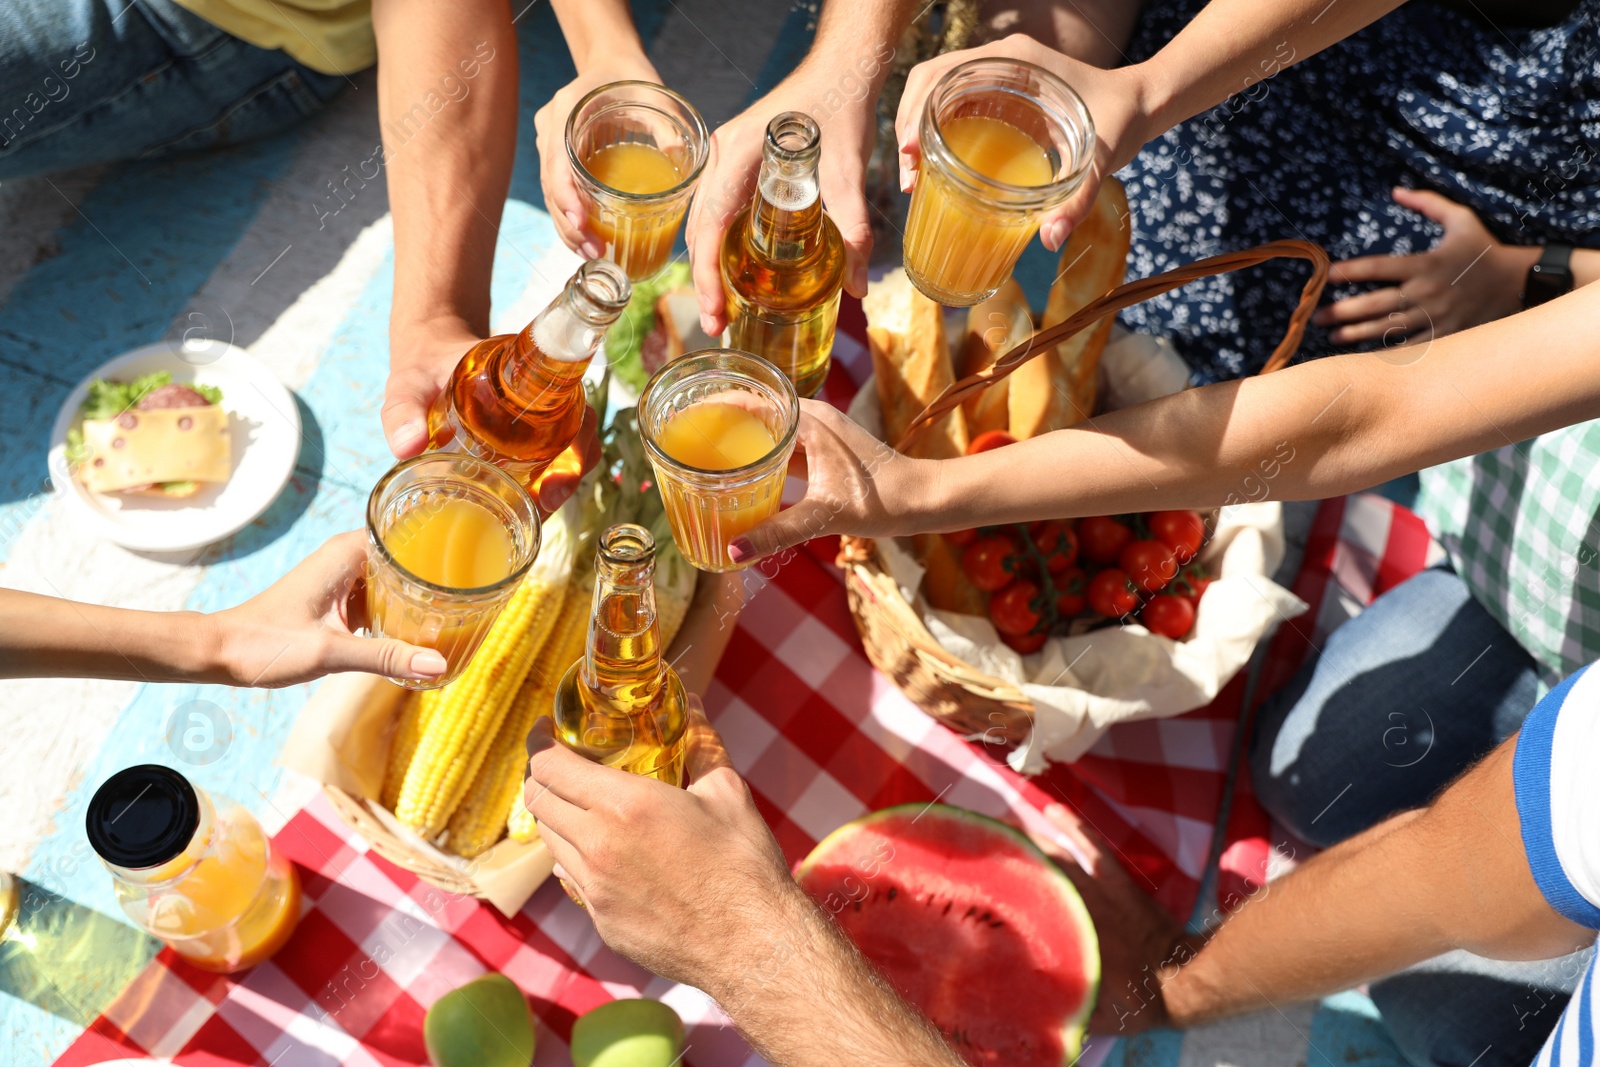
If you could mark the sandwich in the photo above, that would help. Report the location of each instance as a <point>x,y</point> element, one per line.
<point>150,436</point>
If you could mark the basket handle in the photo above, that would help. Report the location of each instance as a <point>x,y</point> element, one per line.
<point>1130,293</point>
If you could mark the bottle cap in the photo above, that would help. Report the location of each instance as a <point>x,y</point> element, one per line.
<point>143,816</point>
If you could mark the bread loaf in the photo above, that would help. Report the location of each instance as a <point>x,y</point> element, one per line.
<point>994,327</point>
<point>1056,389</point>
<point>911,365</point>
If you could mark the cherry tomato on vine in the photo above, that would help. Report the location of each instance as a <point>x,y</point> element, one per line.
<point>1101,538</point>
<point>1024,643</point>
<point>1111,595</point>
<point>1012,608</point>
<point>1192,582</point>
<point>1071,588</point>
<point>1056,543</point>
<point>1149,564</point>
<point>1182,531</point>
<point>961,538</point>
<point>988,440</point>
<point>990,562</point>
<point>1168,615</point>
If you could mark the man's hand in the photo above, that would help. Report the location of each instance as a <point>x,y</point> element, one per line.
<point>420,361</point>
<point>855,484</point>
<point>1139,941</point>
<point>1466,279</point>
<point>1116,100</point>
<point>820,88</point>
<point>561,197</point>
<point>690,884</point>
<point>301,627</point>
<point>678,880</point>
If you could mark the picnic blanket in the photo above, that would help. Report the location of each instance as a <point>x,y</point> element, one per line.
<point>822,738</point>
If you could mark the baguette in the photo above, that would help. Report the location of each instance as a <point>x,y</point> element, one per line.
<point>994,327</point>
<point>911,365</point>
<point>1056,389</point>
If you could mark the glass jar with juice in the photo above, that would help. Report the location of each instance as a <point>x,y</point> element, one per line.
<point>1003,141</point>
<point>719,426</point>
<point>449,537</point>
<point>194,870</point>
<point>637,150</point>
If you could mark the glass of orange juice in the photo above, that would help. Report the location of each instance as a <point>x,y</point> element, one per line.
<point>1003,141</point>
<point>719,426</point>
<point>195,870</point>
<point>449,537</point>
<point>637,150</point>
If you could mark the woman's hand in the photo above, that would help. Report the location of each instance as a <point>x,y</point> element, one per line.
<point>561,198</point>
<point>302,627</point>
<point>734,163</point>
<point>855,484</point>
<point>1117,101</point>
<point>1466,279</point>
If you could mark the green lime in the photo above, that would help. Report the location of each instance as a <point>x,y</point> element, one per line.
<point>485,1023</point>
<point>628,1033</point>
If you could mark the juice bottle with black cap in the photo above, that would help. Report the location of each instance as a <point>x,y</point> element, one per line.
<point>196,871</point>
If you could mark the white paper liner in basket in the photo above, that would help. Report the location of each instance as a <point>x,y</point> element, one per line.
<point>1080,686</point>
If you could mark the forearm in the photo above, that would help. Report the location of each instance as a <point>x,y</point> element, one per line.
<point>801,978</point>
<point>447,102</point>
<point>598,31</point>
<point>1422,883</point>
<point>47,637</point>
<point>1320,429</point>
<point>1233,44</point>
<point>855,42</point>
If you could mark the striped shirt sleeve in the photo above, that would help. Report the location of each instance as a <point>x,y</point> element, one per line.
<point>1558,796</point>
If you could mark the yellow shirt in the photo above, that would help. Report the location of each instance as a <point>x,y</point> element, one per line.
<point>333,36</point>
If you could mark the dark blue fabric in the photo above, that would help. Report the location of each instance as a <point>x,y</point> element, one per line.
<point>1506,122</point>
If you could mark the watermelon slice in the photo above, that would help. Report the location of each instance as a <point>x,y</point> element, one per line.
<point>973,925</point>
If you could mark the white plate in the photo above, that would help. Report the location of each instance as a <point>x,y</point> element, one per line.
<point>265,428</point>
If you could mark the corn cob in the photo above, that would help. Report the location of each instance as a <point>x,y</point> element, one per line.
<point>458,735</point>
<point>419,708</point>
<point>480,821</point>
<point>565,647</point>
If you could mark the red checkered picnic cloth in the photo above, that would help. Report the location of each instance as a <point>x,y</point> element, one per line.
<point>821,737</point>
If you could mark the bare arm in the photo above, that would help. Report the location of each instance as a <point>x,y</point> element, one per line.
<point>837,84</point>
<point>447,102</point>
<point>1453,875</point>
<point>296,630</point>
<point>1320,429</point>
<point>1226,48</point>
<point>691,884</point>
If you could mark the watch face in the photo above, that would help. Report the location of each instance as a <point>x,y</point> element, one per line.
<point>1546,283</point>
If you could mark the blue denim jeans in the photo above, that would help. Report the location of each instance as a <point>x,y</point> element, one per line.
<point>1402,699</point>
<point>92,81</point>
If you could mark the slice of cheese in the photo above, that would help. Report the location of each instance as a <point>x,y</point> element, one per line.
<point>138,448</point>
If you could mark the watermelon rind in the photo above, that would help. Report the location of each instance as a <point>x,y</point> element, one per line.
<point>1075,1028</point>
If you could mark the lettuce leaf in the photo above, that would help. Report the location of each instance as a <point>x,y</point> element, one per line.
<point>626,335</point>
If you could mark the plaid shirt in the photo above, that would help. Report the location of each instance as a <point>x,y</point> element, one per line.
<point>1522,527</point>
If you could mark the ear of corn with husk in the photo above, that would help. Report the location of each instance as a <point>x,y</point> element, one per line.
<point>457,762</point>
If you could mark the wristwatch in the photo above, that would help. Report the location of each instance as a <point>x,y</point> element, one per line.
<point>1550,277</point>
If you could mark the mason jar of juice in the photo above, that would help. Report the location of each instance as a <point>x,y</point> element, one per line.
<point>1003,141</point>
<point>449,538</point>
<point>194,870</point>
<point>637,150</point>
<point>719,426</point>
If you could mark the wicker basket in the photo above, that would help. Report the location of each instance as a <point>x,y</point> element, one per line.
<point>341,739</point>
<point>893,634</point>
<point>359,814</point>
